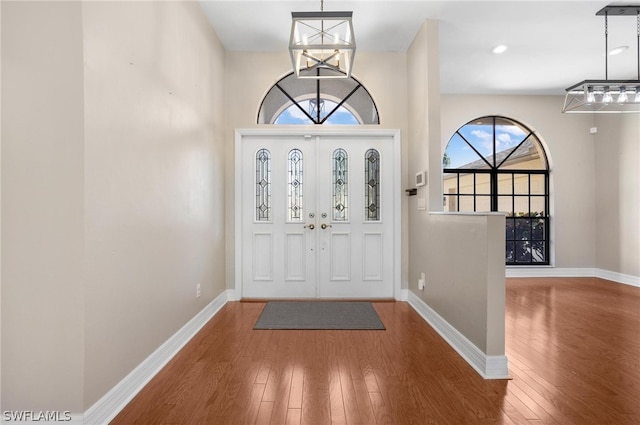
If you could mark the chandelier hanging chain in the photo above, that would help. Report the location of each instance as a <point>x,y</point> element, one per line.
<point>606,46</point>
<point>606,43</point>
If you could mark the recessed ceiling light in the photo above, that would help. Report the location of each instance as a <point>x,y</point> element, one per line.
<point>500,48</point>
<point>618,50</point>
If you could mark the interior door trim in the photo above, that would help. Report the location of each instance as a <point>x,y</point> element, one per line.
<point>320,131</point>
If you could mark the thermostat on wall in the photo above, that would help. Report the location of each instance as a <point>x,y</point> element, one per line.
<point>421,178</point>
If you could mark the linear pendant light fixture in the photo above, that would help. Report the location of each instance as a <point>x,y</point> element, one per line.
<point>322,44</point>
<point>607,96</point>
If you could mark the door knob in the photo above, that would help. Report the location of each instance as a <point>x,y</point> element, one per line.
<point>324,226</point>
<point>310,226</point>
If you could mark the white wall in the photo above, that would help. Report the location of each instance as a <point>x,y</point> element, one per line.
<point>42,206</point>
<point>251,75</point>
<point>112,190</point>
<point>617,189</point>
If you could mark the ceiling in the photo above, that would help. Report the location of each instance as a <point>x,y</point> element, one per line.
<point>551,44</point>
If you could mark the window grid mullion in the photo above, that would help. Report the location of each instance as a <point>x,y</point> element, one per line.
<point>475,196</point>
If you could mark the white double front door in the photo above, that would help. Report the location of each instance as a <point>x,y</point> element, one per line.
<point>317,216</point>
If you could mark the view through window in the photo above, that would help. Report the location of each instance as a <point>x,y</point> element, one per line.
<point>495,163</point>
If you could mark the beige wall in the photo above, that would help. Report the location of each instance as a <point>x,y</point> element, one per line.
<point>470,298</point>
<point>251,75</point>
<point>154,171</point>
<point>111,195</point>
<point>423,78</point>
<point>1,207</point>
<point>617,189</point>
<point>42,201</point>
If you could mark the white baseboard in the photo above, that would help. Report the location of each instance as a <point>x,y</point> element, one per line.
<point>105,409</point>
<point>550,271</point>
<point>618,277</point>
<point>489,367</point>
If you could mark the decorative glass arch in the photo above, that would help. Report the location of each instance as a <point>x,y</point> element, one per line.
<point>294,100</point>
<point>495,163</point>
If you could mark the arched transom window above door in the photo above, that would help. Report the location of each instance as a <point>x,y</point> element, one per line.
<point>294,100</point>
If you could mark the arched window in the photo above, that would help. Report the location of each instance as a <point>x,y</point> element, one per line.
<point>497,164</point>
<point>295,100</point>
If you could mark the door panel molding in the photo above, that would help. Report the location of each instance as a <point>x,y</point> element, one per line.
<point>372,256</point>
<point>340,256</point>
<point>295,264</point>
<point>263,256</point>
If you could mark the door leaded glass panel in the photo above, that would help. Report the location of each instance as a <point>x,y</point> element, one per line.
<point>340,185</point>
<point>295,185</point>
<point>263,185</point>
<point>372,185</point>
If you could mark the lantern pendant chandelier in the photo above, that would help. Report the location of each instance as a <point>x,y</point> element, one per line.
<point>607,96</point>
<point>322,44</point>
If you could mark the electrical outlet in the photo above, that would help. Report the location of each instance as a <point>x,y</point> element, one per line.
<point>421,282</point>
<point>198,290</point>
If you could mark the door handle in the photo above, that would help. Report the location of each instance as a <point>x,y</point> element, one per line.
<point>310,226</point>
<point>324,226</point>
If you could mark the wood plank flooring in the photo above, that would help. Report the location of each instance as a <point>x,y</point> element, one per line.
<point>573,346</point>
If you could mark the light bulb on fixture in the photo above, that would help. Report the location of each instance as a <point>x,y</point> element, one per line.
<point>622,97</point>
<point>590,96</point>
<point>637,96</point>
<point>607,98</point>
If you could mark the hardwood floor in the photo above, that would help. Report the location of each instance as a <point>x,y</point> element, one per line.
<point>573,346</point>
